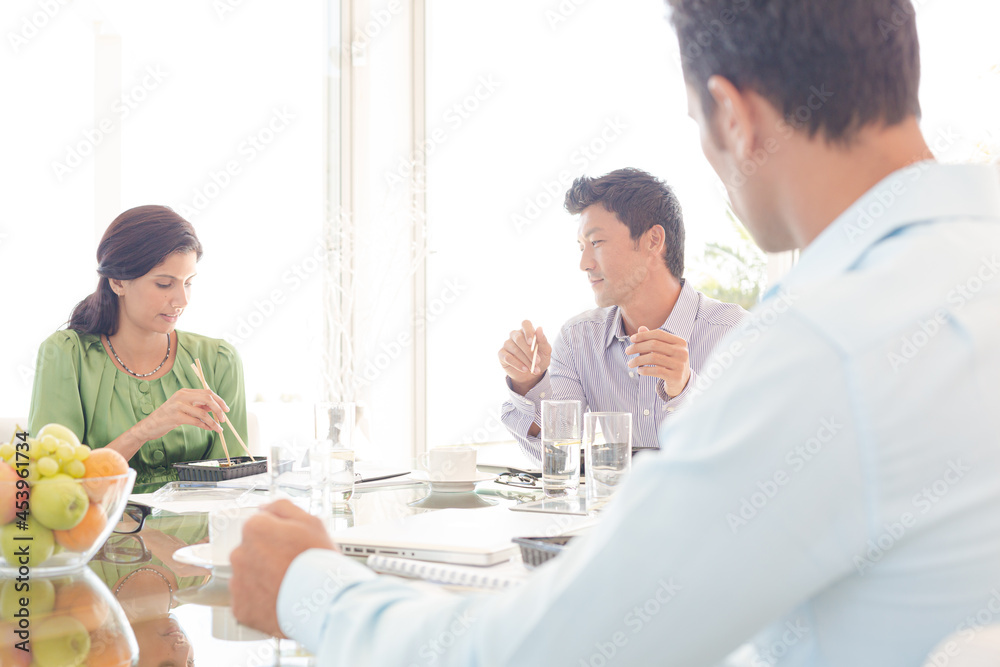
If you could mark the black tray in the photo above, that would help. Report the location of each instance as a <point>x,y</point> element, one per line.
<point>243,467</point>
<point>537,550</point>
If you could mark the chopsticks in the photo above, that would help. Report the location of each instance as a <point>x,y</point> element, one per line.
<point>534,353</point>
<point>222,417</point>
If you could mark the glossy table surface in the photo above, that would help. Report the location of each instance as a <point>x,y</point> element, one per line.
<point>144,577</point>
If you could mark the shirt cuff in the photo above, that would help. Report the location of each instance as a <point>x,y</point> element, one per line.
<point>530,403</point>
<point>312,583</point>
<point>681,398</point>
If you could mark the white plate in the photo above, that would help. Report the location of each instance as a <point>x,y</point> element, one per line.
<point>452,485</point>
<point>200,555</point>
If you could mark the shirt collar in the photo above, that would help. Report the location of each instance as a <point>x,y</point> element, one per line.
<point>680,322</point>
<point>920,192</point>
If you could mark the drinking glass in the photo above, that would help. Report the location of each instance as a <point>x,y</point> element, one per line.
<point>335,453</point>
<point>560,447</point>
<point>607,451</point>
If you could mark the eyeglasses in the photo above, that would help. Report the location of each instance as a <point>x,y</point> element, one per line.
<point>124,550</point>
<point>517,479</point>
<point>133,518</point>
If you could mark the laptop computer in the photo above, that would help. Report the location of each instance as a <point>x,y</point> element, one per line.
<point>458,536</point>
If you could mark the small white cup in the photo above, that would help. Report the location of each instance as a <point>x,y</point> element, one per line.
<point>225,531</point>
<point>450,464</point>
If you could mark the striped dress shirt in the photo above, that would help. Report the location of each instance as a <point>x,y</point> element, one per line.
<point>589,364</point>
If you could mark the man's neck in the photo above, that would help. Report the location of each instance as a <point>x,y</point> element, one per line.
<point>652,304</point>
<point>831,179</point>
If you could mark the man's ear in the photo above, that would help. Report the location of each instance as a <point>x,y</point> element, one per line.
<point>655,239</point>
<point>733,118</point>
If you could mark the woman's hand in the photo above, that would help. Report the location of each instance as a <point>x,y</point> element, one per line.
<point>186,406</point>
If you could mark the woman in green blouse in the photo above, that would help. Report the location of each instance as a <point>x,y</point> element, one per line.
<point>120,375</point>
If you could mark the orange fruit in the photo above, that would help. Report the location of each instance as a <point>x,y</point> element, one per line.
<point>109,648</point>
<point>79,600</point>
<point>83,535</point>
<point>14,657</point>
<point>102,462</point>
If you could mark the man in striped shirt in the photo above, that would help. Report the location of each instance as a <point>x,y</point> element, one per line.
<point>641,351</point>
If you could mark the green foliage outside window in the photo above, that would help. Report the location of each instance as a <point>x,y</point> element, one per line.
<point>733,270</point>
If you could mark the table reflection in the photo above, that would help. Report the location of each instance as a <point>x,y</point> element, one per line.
<point>142,575</point>
<point>179,613</point>
<point>72,619</point>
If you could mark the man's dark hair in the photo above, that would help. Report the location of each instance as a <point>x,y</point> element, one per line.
<point>829,67</point>
<point>640,200</point>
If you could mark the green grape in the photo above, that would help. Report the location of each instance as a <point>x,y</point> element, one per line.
<point>49,443</point>
<point>74,468</point>
<point>65,452</point>
<point>82,452</point>
<point>33,475</point>
<point>47,466</point>
<point>6,451</point>
<point>35,451</point>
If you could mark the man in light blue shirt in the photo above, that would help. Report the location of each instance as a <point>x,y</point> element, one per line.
<point>831,495</point>
<point>645,346</point>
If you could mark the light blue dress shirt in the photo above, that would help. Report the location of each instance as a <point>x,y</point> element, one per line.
<point>589,365</point>
<point>833,494</point>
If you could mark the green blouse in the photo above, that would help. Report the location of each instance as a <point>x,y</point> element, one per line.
<point>78,385</point>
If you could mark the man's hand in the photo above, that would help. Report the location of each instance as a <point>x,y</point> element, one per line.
<point>662,355</point>
<point>271,541</point>
<point>525,356</point>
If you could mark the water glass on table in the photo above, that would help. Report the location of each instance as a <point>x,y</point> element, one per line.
<point>560,447</point>
<point>335,449</point>
<point>607,452</point>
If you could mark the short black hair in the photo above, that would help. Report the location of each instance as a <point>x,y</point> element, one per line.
<point>829,67</point>
<point>640,200</point>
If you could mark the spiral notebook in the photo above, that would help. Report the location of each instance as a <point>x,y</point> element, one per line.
<point>495,577</point>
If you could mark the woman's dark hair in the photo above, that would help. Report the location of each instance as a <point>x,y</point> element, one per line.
<point>137,241</point>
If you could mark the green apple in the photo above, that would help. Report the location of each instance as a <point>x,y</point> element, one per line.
<point>59,502</point>
<point>60,432</point>
<point>39,547</point>
<point>8,493</point>
<point>60,641</point>
<point>39,593</point>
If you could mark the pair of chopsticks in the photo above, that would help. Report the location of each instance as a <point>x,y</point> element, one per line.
<point>534,353</point>
<point>222,417</point>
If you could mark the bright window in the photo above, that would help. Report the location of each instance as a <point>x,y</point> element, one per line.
<point>231,112</point>
<point>529,95</point>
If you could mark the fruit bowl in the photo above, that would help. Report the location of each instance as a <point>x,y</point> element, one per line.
<point>53,521</point>
<point>54,551</point>
<point>72,620</point>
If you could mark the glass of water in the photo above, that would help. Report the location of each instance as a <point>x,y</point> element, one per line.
<point>607,452</point>
<point>334,438</point>
<point>561,447</point>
